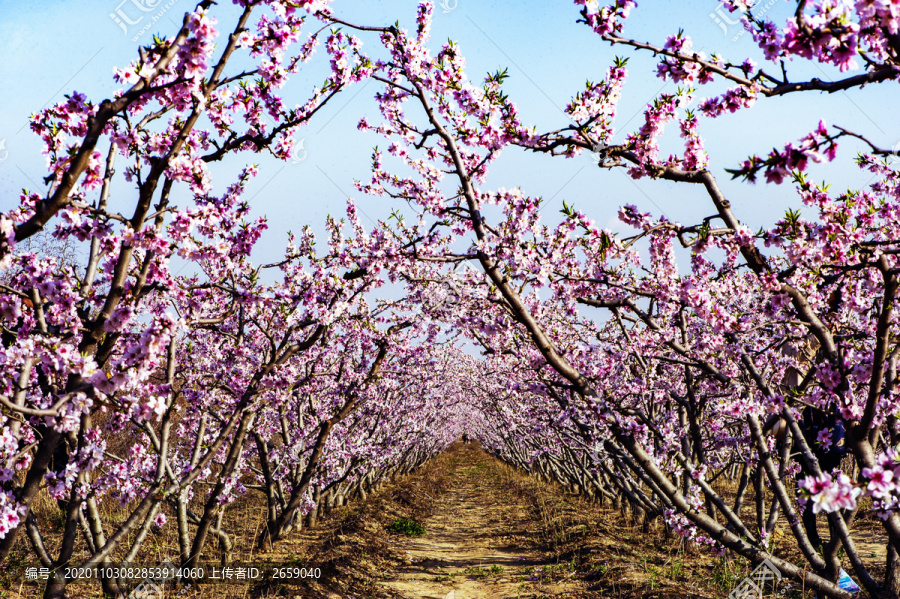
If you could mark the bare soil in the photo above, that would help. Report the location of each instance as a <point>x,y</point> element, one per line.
<point>478,546</point>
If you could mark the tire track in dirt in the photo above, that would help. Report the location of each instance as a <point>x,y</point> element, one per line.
<point>471,549</point>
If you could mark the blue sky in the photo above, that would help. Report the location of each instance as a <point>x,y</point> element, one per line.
<point>53,47</point>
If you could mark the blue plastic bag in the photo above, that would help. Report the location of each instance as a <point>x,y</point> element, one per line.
<point>847,583</point>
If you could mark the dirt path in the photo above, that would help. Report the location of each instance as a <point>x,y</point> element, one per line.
<point>473,547</point>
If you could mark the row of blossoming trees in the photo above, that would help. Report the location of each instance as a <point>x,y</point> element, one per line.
<point>170,396</point>
<point>768,360</point>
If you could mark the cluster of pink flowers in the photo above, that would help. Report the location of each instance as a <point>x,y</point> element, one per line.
<point>606,19</point>
<point>829,493</point>
<point>695,157</point>
<point>883,479</point>
<point>594,108</point>
<point>829,35</point>
<point>731,101</point>
<point>681,70</point>
<point>816,147</point>
<point>645,143</point>
<point>61,124</point>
